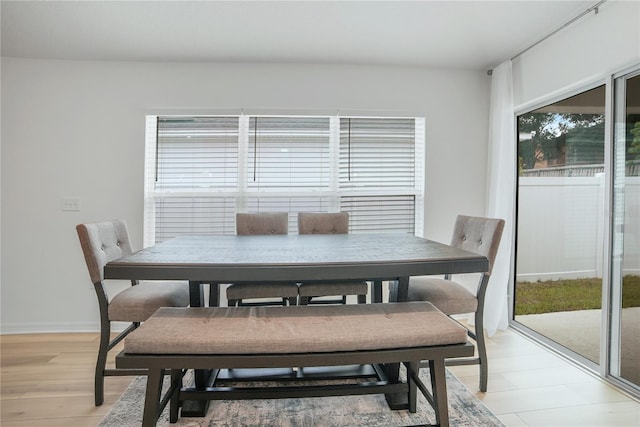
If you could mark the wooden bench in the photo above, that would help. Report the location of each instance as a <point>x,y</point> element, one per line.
<point>176,339</point>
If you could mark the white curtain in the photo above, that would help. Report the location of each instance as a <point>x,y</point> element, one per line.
<point>501,178</point>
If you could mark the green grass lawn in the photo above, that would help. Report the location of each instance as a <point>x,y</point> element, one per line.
<point>569,295</point>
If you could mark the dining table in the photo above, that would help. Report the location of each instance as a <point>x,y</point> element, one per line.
<point>213,260</point>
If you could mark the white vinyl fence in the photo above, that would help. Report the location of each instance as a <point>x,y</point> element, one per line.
<point>561,227</point>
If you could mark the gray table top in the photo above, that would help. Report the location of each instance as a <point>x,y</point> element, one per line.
<point>294,257</point>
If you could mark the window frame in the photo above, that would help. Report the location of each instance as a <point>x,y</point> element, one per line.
<point>328,199</point>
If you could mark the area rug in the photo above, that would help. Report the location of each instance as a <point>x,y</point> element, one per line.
<point>354,411</point>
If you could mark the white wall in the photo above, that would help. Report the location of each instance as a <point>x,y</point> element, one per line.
<point>579,54</point>
<point>76,128</point>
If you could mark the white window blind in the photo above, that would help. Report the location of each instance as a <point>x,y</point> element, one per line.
<point>382,213</point>
<point>192,176</point>
<point>201,170</point>
<point>288,153</point>
<point>379,175</point>
<point>197,152</point>
<point>198,214</point>
<point>377,153</point>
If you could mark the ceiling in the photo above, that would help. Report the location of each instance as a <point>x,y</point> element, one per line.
<point>449,34</point>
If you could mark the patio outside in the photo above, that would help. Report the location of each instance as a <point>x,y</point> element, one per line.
<point>569,313</point>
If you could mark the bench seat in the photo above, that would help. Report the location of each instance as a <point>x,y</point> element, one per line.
<point>270,337</point>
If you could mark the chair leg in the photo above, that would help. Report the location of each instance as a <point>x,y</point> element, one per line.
<point>482,350</point>
<point>101,362</point>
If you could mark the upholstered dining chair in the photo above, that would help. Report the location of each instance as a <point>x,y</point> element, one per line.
<point>481,236</point>
<point>328,223</point>
<point>103,242</point>
<point>284,293</point>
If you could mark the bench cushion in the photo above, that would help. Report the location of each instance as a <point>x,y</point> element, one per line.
<point>297,329</point>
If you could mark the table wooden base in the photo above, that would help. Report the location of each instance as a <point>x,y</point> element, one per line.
<point>215,378</point>
<point>198,408</point>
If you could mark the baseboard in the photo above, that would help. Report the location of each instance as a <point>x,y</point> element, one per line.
<point>56,327</point>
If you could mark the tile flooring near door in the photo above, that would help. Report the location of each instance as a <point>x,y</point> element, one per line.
<point>47,380</point>
<point>532,386</point>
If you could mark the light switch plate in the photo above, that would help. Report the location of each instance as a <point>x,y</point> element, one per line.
<point>71,204</point>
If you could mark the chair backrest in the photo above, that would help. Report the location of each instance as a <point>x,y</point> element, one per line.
<point>262,223</point>
<point>323,223</point>
<point>103,242</point>
<point>478,235</point>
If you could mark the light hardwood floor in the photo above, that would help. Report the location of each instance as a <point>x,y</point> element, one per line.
<point>47,380</point>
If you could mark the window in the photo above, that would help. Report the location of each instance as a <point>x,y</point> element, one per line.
<point>201,170</point>
<point>377,165</point>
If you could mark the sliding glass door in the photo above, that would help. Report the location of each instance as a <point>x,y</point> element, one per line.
<point>577,259</point>
<point>625,283</point>
<point>560,221</point>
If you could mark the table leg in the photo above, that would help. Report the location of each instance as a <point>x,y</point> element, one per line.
<point>392,370</point>
<point>214,294</point>
<point>403,289</point>
<point>376,293</point>
<point>196,294</point>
